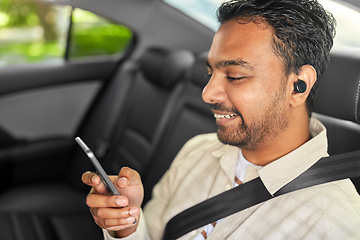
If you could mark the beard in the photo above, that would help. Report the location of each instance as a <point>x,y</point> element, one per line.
<point>272,121</point>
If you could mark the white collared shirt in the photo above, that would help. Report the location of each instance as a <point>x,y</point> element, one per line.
<point>205,167</point>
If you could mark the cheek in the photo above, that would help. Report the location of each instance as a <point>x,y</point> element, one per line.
<point>248,100</point>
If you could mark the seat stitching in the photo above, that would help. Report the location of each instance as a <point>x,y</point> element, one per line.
<point>357,101</point>
<point>14,219</point>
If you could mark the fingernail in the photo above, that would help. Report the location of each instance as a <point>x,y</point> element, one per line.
<point>131,219</point>
<point>93,179</point>
<point>120,202</point>
<point>135,221</point>
<point>122,181</point>
<point>133,211</point>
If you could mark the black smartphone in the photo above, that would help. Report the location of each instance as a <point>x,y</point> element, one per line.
<point>99,169</point>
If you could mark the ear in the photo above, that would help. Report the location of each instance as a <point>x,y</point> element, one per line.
<point>307,73</point>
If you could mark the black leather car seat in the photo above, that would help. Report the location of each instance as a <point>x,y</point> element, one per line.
<point>337,105</point>
<point>189,116</point>
<point>146,117</point>
<point>128,108</point>
<point>127,117</point>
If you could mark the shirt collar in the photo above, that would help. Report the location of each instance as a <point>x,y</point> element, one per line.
<point>278,173</point>
<point>228,157</point>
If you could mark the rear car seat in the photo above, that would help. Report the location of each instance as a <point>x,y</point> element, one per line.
<point>129,107</point>
<point>337,105</point>
<point>126,119</point>
<point>189,116</point>
<point>145,119</point>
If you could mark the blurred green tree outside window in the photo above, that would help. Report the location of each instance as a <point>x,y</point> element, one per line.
<point>33,32</point>
<point>92,35</point>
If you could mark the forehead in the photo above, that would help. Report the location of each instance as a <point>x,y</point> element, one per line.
<point>251,42</point>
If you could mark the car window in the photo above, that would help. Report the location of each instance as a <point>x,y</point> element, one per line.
<point>35,32</point>
<point>92,35</point>
<point>31,32</point>
<point>201,10</point>
<point>348,29</point>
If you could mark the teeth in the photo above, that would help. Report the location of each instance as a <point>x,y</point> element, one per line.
<point>218,116</point>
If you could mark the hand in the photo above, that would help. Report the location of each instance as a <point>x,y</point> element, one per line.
<point>116,213</point>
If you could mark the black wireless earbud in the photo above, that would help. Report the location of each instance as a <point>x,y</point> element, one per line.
<point>300,86</point>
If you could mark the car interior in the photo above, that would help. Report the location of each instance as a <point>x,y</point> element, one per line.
<point>137,110</point>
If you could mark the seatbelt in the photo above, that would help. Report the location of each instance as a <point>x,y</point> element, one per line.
<point>327,169</point>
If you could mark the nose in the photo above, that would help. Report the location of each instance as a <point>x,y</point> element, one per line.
<point>214,91</point>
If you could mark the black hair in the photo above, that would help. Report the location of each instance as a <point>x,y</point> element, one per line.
<point>303,31</point>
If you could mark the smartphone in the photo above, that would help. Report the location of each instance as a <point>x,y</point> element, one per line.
<point>99,169</point>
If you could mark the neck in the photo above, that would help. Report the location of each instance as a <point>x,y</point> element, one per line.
<point>290,139</point>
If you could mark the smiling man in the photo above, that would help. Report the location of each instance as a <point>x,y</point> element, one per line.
<point>252,96</point>
<point>264,64</point>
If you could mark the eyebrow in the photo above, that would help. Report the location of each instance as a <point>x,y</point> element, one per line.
<point>232,62</point>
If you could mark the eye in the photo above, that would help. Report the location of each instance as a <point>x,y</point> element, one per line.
<point>235,79</point>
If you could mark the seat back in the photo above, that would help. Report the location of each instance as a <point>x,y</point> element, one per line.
<point>138,129</point>
<point>121,125</point>
<point>189,116</point>
<point>128,112</point>
<point>337,105</point>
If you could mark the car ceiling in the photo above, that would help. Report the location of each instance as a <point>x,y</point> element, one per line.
<point>146,17</point>
<point>143,7</point>
<point>352,2</point>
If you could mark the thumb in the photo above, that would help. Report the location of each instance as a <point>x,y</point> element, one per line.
<point>128,176</point>
<point>93,180</point>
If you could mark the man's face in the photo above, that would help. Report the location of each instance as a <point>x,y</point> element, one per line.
<point>247,88</point>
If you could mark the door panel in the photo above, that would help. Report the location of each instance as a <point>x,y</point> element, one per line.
<point>55,110</point>
<point>40,111</point>
<point>49,100</point>
<point>15,79</point>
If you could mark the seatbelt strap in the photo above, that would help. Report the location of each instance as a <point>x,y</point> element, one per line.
<point>327,169</point>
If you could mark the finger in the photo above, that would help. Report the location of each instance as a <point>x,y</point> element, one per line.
<point>91,179</point>
<point>98,200</point>
<point>116,213</point>
<point>130,221</point>
<point>118,228</point>
<point>128,176</point>
<point>114,225</point>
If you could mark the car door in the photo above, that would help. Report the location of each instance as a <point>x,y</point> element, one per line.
<point>54,59</point>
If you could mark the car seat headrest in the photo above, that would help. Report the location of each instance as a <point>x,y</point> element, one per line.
<point>339,90</point>
<point>165,67</point>
<point>199,72</point>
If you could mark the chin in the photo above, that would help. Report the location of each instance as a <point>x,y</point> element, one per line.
<point>229,139</point>
<point>239,137</point>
